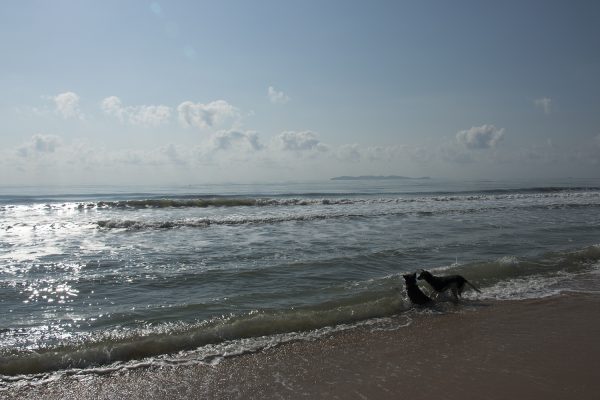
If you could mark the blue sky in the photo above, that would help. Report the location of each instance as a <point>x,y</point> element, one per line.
<point>186,92</point>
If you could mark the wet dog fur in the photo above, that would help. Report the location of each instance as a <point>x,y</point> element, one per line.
<point>415,294</point>
<point>454,283</point>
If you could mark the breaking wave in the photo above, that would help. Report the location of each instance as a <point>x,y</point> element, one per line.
<point>206,222</point>
<point>324,199</point>
<point>380,301</point>
<point>139,344</point>
<point>135,224</point>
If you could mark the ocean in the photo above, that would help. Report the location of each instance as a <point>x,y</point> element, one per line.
<point>95,279</point>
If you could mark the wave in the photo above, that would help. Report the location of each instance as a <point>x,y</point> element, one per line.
<point>219,202</point>
<point>522,190</point>
<point>206,222</point>
<point>172,339</point>
<point>133,224</point>
<point>378,299</point>
<point>237,202</point>
<point>514,278</point>
<point>317,199</point>
<point>137,201</point>
<point>290,202</point>
<point>389,208</point>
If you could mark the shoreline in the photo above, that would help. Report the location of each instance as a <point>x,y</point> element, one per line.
<point>536,349</point>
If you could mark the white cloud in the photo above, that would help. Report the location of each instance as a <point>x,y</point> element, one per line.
<point>277,97</point>
<point>150,115</point>
<point>136,115</point>
<point>112,105</point>
<point>300,141</point>
<point>226,140</point>
<point>480,137</point>
<point>67,105</point>
<point>39,144</point>
<point>206,115</point>
<point>545,103</point>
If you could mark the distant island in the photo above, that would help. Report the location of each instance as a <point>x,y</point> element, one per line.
<point>374,177</point>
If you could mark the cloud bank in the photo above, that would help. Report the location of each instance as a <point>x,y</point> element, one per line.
<point>235,155</point>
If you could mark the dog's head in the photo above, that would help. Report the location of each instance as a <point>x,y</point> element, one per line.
<point>411,279</point>
<point>424,275</point>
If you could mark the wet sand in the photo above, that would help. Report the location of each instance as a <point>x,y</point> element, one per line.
<point>534,349</point>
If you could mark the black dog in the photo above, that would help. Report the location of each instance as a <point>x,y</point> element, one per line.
<point>414,293</point>
<point>454,283</point>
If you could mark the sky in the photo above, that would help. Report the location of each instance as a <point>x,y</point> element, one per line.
<point>194,92</point>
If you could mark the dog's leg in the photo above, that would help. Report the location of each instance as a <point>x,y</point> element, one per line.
<point>455,294</point>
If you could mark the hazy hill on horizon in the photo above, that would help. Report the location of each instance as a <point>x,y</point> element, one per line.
<point>374,177</point>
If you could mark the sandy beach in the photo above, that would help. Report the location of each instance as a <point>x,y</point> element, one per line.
<point>533,349</point>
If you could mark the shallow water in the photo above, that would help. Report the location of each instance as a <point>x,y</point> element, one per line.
<point>90,276</point>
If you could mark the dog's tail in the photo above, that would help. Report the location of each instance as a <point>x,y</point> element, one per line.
<point>473,286</point>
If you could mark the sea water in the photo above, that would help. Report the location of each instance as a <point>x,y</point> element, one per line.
<point>97,278</point>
